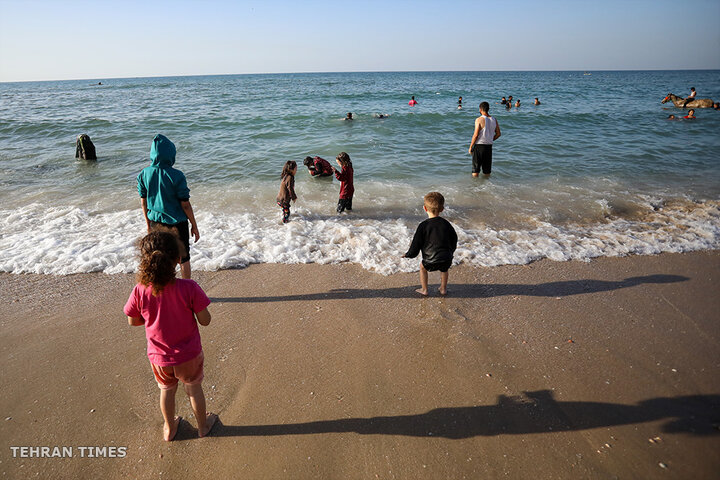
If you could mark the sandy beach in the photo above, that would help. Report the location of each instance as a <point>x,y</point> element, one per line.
<point>604,369</point>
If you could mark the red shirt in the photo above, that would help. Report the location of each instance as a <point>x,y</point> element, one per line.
<point>170,326</point>
<point>322,167</point>
<point>346,182</point>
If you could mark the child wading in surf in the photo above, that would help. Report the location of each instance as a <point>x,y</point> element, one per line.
<point>287,189</point>
<point>345,175</point>
<point>170,309</point>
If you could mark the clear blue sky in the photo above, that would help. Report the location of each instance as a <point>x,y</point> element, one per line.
<point>53,40</point>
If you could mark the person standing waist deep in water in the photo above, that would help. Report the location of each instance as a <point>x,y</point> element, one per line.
<point>487,130</point>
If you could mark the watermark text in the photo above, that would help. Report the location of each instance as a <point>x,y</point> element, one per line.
<point>68,452</point>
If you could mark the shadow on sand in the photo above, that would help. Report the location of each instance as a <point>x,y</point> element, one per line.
<point>533,412</point>
<point>550,289</point>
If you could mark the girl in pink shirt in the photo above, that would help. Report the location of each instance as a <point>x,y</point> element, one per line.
<point>170,309</point>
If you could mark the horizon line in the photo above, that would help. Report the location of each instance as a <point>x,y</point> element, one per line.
<point>356,71</point>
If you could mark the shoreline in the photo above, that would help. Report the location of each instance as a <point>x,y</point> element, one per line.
<point>333,371</point>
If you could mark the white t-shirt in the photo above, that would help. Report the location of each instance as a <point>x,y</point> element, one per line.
<point>487,133</point>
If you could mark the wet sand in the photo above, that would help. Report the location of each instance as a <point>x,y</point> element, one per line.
<point>551,370</point>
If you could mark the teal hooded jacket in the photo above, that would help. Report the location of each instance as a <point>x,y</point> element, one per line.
<point>163,186</point>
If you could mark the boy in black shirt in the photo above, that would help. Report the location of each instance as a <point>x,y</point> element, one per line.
<point>437,239</point>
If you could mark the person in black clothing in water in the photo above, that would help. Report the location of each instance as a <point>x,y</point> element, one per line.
<point>437,240</point>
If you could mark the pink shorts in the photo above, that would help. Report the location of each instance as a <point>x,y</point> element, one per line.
<point>190,373</point>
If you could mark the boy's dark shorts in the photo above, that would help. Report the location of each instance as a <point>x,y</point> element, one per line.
<point>442,266</point>
<point>183,231</point>
<point>482,158</point>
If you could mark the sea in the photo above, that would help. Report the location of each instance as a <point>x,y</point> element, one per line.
<point>596,170</point>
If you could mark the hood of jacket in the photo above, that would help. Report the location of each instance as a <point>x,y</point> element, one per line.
<point>162,152</point>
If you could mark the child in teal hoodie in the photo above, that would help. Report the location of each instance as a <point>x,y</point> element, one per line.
<point>165,197</point>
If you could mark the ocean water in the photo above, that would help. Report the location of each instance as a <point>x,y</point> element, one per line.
<point>596,170</point>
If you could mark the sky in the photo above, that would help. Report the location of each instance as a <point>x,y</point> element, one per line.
<point>62,40</point>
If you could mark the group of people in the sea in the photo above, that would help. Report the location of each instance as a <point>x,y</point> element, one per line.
<point>317,167</point>
<point>509,102</point>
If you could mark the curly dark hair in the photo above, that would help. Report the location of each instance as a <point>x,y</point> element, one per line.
<point>160,253</point>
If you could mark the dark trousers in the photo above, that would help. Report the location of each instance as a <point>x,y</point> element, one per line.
<point>344,204</point>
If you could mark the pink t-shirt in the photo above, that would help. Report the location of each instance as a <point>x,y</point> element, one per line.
<point>170,326</point>
<point>412,103</point>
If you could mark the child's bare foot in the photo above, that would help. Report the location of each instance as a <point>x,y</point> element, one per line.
<point>442,292</point>
<point>422,292</point>
<point>209,422</point>
<point>169,431</point>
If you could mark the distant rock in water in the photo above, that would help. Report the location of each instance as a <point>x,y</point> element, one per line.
<point>84,148</point>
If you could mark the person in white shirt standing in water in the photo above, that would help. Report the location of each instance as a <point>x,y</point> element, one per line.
<point>487,131</point>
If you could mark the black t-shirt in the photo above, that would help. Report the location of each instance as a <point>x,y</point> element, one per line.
<point>437,240</point>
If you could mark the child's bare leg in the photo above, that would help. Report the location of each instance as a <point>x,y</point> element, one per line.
<point>167,406</point>
<point>423,290</point>
<point>197,400</point>
<point>443,282</point>
<point>185,270</point>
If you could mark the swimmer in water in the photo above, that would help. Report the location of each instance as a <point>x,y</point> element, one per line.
<point>412,101</point>
<point>349,116</point>
<point>503,101</point>
<point>671,117</point>
<point>690,115</point>
<point>381,115</point>
<point>517,104</point>
<point>460,103</point>
<point>509,103</point>
<point>536,102</point>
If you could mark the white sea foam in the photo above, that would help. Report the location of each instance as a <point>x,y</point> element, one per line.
<point>70,239</point>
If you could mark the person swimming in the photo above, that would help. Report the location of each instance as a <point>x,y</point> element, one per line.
<point>412,101</point>
<point>536,102</point>
<point>460,103</point>
<point>349,116</point>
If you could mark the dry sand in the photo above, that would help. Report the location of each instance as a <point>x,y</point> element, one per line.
<point>549,370</point>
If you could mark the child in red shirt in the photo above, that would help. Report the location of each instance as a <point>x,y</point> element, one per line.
<point>346,182</point>
<point>170,310</point>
